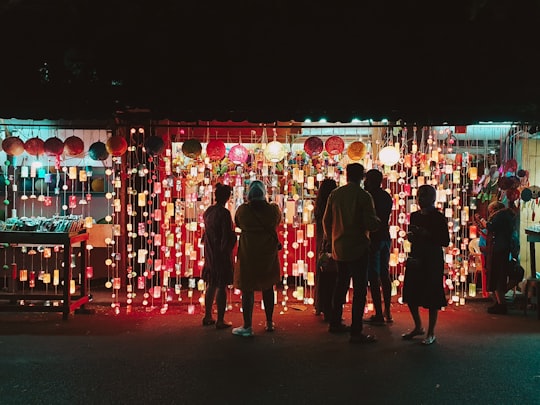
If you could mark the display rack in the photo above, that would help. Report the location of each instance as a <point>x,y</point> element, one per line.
<point>69,303</point>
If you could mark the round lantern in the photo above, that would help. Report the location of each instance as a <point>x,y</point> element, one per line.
<point>73,146</point>
<point>98,151</point>
<point>215,150</point>
<point>192,148</point>
<point>389,155</point>
<point>98,184</point>
<point>154,145</point>
<point>313,145</point>
<point>526,194</point>
<point>274,152</point>
<point>238,154</point>
<point>13,146</point>
<point>34,146</point>
<point>334,145</point>
<point>356,150</point>
<point>116,145</point>
<point>54,146</point>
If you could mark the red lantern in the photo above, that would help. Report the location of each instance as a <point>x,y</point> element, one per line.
<point>34,146</point>
<point>215,150</point>
<point>238,154</point>
<point>73,146</point>
<point>13,146</point>
<point>54,146</point>
<point>313,145</point>
<point>116,145</point>
<point>334,145</point>
<point>356,150</point>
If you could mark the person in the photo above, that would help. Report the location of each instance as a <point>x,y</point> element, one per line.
<point>324,280</point>
<point>257,259</point>
<point>379,250</point>
<point>347,221</point>
<point>219,240</point>
<point>423,283</point>
<point>500,226</point>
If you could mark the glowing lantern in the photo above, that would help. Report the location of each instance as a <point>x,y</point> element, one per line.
<point>73,146</point>
<point>473,173</point>
<point>154,145</point>
<point>313,145</point>
<point>216,150</point>
<point>192,148</point>
<point>34,146</point>
<point>98,151</point>
<point>274,151</point>
<point>389,155</point>
<point>334,145</point>
<point>98,185</point>
<point>13,146</point>
<point>356,150</point>
<point>116,145</point>
<point>238,154</point>
<point>54,146</point>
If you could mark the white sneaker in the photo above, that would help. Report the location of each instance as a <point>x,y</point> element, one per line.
<point>241,331</point>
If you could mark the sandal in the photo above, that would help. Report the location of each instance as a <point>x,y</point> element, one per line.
<point>270,327</point>
<point>208,321</point>
<point>429,340</point>
<point>413,333</point>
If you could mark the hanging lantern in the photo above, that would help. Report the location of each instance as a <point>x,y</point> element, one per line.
<point>216,150</point>
<point>473,173</point>
<point>54,146</point>
<point>356,150</point>
<point>334,145</point>
<point>192,148</point>
<point>13,146</point>
<point>116,145</point>
<point>98,184</point>
<point>274,152</point>
<point>238,154</point>
<point>34,146</point>
<point>98,151</point>
<point>154,145</point>
<point>313,145</point>
<point>73,146</point>
<point>389,155</point>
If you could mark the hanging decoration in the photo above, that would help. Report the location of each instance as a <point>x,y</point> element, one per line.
<point>313,146</point>
<point>13,146</point>
<point>356,150</point>
<point>216,149</point>
<point>98,151</point>
<point>73,146</point>
<point>34,146</point>
<point>192,148</point>
<point>116,145</point>
<point>54,146</point>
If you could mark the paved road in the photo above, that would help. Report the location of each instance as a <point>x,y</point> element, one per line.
<point>153,358</point>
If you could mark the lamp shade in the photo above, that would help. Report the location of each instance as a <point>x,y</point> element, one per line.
<point>389,155</point>
<point>116,145</point>
<point>34,146</point>
<point>98,151</point>
<point>215,150</point>
<point>192,148</point>
<point>313,145</point>
<point>356,150</point>
<point>238,154</point>
<point>54,146</point>
<point>274,152</point>
<point>73,146</point>
<point>154,145</point>
<point>13,146</point>
<point>334,145</point>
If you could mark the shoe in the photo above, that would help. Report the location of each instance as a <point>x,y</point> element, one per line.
<point>500,309</point>
<point>429,340</point>
<point>223,325</point>
<point>208,321</point>
<point>389,319</point>
<point>375,320</point>
<point>241,331</point>
<point>341,328</point>
<point>413,333</point>
<point>270,327</point>
<point>361,338</point>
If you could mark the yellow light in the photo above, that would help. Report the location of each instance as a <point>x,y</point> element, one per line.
<point>389,155</point>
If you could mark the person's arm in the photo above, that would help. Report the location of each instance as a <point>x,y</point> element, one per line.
<point>327,219</point>
<point>371,220</point>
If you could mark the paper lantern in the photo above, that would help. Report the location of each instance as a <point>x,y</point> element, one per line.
<point>98,184</point>
<point>73,146</point>
<point>154,145</point>
<point>215,150</point>
<point>473,173</point>
<point>192,148</point>
<point>356,150</point>
<point>334,145</point>
<point>274,152</point>
<point>389,155</point>
<point>34,146</point>
<point>238,154</point>
<point>313,145</point>
<point>13,146</point>
<point>98,151</point>
<point>54,146</point>
<point>116,145</point>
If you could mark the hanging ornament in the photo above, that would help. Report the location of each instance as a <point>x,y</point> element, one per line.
<point>34,146</point>
<point>13,146</point>
<point>526,194</point>
<point>510,166</point>
<point>334,145</point>
<point>116,145</point>
<point>313,145</point>
<point>274,152</point>
<point>54,146</point>
<point>356,150</point>
<point>98,151</point>
<point>98,185</point>
<point>73,146</point>
<point>389,155</point>
<point>215,150</point>
<point>154,145</point>
<point>192,148</point>
<point>238,154</point>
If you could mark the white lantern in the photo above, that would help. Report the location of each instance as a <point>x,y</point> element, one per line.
<point>389,155</point>
<point>274,152</point>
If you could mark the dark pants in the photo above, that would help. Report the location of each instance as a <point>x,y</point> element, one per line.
<point>357,270</point>
<point>379,276</point>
